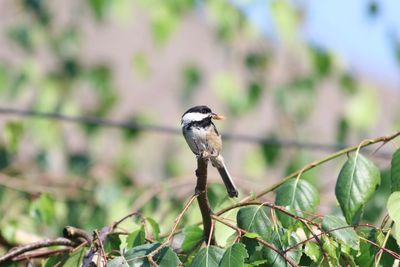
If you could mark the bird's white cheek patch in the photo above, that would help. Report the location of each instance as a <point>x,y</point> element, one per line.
<point>189,117</point>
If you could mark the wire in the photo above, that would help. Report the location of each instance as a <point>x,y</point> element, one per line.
<point>134,126</point>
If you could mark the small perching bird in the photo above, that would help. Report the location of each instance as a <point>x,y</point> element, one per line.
<point>204,140</point>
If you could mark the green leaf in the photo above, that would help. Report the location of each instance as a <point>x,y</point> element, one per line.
<point>271,152</point>
<point>296,195</point>
<point>118,262</point>
<point>216,195</point>
<point>377,204</point>
<point>43,208</point>
<point>99,8</point>
<point>366,256</point>
<point>4,158</point>
<point>208,257</point>
<point>75,258</point>
<point>191,76</point>
<point>136,238</point>
<point>165,258</point>
<point>362,108</point>
<point>332,249</point>
<point>154,226</point>
<point>357,182</point>
<point>112,243</point>
<point>395,171</point>
<point>346,236</point>
<point>313,251</point>
<point>255,219</point>
<point>283,240</point>
<point>234,256</point>
<point>22,35</point>
<point>193,235</point>
<point>13,132</point>
<point>322,62</point>
<point>252,235</point>
<point>393,207</point>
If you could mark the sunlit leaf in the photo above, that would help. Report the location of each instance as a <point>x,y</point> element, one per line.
<point>286,19</point>
<point>234,256</point>
<point>136,238</point>
<point>193,235</point>
<point>296,195</point>
<point>338,228</point>
<point>208,257</point>
<point>362,109</point>
<point>357,182</point>
<point>154,226</point>
<point>393,207</point>
<point>313,251</point>
<point>163,23</point>
<point>255,219</point>
<point>43,208</point>
<point>331,248</point>
<point>75,258</point>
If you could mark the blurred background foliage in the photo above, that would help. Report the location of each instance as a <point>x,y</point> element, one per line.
<point>145,62</point>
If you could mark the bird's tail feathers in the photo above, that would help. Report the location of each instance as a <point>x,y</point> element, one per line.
<point>226,177</point>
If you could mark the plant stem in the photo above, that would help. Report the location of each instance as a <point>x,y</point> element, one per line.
<point>316,163</point>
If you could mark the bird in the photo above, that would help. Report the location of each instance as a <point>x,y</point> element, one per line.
<point>205,141</point>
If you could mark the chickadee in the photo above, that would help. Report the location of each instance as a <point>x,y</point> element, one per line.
<point>204,140</point>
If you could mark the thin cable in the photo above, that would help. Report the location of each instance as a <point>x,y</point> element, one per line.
<point>170,130</point>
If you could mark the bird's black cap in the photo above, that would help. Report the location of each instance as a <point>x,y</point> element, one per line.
<point>199,109</point>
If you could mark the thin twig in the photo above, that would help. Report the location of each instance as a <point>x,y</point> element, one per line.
<point>177,221</point>
<point>270,205</point>
<point>379,253</point>
<point>316,163</point>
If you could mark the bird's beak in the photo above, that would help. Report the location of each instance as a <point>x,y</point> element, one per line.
<point>217,117</point>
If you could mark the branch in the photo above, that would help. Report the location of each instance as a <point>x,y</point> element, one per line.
<point>71,232</point>
<point>383,139</point>
<point>204,205</point>
<point>40,254</point>
<point>36,245</point>
<point>272,206</point>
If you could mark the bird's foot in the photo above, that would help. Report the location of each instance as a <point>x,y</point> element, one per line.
<point>203,155</point>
